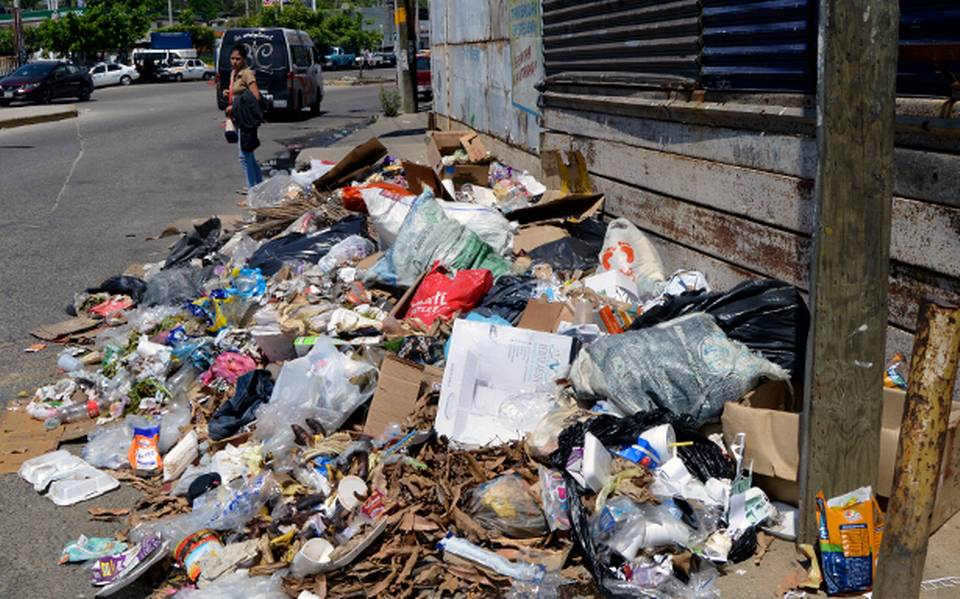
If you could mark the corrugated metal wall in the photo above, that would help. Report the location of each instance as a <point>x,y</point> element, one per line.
<point>472,69</point>
<point>762,45</point>
<point>647,41</point>
<point>925,22</point>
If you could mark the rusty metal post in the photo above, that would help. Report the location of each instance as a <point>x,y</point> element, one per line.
<point>933,370</point>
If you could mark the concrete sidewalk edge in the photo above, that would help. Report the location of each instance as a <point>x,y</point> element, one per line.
<point>33,119</point>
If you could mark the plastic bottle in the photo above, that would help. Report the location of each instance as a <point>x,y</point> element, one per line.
<point>87,410</point>
<point>69,363</point>
<point>351,248</point>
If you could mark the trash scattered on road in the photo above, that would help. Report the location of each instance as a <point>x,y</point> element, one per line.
<point>393,378</point>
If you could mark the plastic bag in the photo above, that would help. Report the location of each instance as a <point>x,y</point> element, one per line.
<point>228,366</point>
<point>768,316</point>
<point>238,584</point>
<point>387,205</point>
<point>555,498</point>
<point>568,253</point>
<point>851,529</point>
<point>488,223</point>
<point>204,238</point>
<point>324,385</point>
<point>107,446</point>
<point>440,296</point>
<point>504,504</point>
<point>508,298</point>
<point>628,250</point>
<point>428,236</point>
<point>173,286</point>
<point>274,191</point>
<point>253,389</point>
<point>122,285</point>
<point>351,249</point>
<point>295,247</point>
<point>686,365</point>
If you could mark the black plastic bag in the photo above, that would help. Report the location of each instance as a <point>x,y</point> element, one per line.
<point>568,253</point>
<point>508,298</point>
<point>768,316</point>
<point>122,285</point>
<point>204,239</point>
<point>297,247</point>
<point>174,286</point>
<point>253,389</point>
<point>744,547</point>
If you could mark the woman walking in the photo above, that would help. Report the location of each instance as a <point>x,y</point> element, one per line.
<point>243,109</point>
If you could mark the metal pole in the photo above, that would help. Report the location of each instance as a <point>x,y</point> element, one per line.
<point>246,7</point>
<point>170,12</point>
<point>406,77</point>
<point>933,371</point>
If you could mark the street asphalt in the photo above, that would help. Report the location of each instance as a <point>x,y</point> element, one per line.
<point>77,200</point>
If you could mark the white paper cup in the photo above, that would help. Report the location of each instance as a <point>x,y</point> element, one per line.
<point>660,439</point>
<point>311,557</point>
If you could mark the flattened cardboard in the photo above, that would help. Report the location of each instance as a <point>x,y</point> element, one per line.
<point>476,151</point>
<point>398,389</point>
<point>23,438</point>
<point>351,166</point>
<point>52,332</point>
<point>575,207</point>
<point>368,262</point>
<point>528,239</point>
<point>565,177</point>
<point>544,316</point>
<point>420,176</point>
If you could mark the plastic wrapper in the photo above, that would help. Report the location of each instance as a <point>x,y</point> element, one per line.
<point>768,316</point>
<point>504,504</point>
<point>296,247</point>
<point>173,287</point>
<point>850,529</point>
<point>893,377</point>
<point>428,236</point>
<point>555,498</point>
<point>238,584</point>
<point>324,385</point>
<point>687,366</point>
<point>508,298</point>
<point>253,388</point>
<point>88,548</point>
<point>204,239</point>
<point>441,296</point>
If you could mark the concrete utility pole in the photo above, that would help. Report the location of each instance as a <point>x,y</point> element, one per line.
<point>17,33</point>
<point>170,12</point>
<point>246,7</point>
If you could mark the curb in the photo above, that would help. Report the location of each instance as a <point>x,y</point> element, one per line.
<point>12,122</point>
<point>351,83</point>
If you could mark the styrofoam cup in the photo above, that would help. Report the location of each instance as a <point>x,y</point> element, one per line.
<point>311,557</point>
<point>660,439</point>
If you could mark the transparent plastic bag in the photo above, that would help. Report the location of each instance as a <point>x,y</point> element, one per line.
<point>238,584</point>
<point>272,192</point>
<point>107,446</point>
<point>505,504</point>
<point>324,385</point>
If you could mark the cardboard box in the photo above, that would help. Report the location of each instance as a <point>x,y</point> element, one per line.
<point>353,166</point>
<point>446,143</point>
<point>770,417</point>
<point>544,316</point>
<point>399,387</point>
<point>530,238</point>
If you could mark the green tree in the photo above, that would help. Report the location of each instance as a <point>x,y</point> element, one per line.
<point>206,9</point>
<point>103,27</point>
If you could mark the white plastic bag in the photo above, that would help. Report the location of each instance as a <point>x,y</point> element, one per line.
<point>387,206</point>
<point>628,250</point>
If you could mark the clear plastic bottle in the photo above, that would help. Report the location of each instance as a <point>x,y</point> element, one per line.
<point>67,362</point>
<point>350,249</point>
<point>87,410</point>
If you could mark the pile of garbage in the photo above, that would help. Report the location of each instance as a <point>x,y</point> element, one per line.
<point>405,378</point>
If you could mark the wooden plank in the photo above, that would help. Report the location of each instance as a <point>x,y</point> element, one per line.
<point>840,425</point>
<point>919,175</point>
<point>925,235</point>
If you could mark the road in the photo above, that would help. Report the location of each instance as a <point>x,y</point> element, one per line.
<point>77,200</point>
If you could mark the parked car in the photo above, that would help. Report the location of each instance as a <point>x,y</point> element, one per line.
<point>45,81</point>
<point>104,74</point>
<point>338,59</point>
<point>389,58</point>
<point>286,63</point>
<point>192,69</point>
<point>424,80</point>
<point>369,61</point>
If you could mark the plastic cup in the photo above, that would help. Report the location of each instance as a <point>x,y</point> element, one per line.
<point>311,557</point>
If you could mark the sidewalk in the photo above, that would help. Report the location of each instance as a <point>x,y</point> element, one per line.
<point>30,115</point>
<point>402,135</point>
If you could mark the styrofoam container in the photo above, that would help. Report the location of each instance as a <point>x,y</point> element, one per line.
<point>85,483</point>
<point>42,470</point>
<point>596,462</point>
